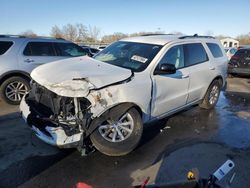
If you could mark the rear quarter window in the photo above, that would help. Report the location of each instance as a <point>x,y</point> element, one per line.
<point>5,46</point>
<point>194,54</point>
<point>215,50</point>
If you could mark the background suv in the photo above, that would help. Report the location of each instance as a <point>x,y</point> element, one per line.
<point>20,55</point>
<point>239,64</point>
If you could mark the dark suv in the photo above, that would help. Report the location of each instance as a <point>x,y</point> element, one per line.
<point>240,63</point>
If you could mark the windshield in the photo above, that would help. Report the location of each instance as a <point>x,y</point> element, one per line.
<point>130,55</point>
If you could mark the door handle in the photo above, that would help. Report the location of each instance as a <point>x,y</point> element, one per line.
<point>212,68</point>
<point>28,60</point>
<point>185,76</point>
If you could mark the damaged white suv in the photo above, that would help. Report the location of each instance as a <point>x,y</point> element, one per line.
<point>104,101</point>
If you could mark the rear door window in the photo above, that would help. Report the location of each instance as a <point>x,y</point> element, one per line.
<point>215,50</point>
<point>194,54</point>
<point>39,49</point>
<point>69,50</point>
<point>4,46</point>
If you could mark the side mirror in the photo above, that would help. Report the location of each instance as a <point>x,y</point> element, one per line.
<point>165,69</point>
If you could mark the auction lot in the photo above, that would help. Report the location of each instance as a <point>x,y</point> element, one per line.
<point>169,148</point>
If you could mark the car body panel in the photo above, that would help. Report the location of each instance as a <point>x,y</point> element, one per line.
<point>169,92</point>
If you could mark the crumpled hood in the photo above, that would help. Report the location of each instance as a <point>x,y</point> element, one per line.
<point>74,77</point>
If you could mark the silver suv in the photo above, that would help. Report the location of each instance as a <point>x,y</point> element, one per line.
<point>107,99</point>
<point>20,55</point>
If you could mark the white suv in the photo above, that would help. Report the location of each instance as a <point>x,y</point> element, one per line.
<point>20,55</point>
<point>105,100</point>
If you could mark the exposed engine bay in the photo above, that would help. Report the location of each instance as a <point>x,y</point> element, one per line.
<point>56,116</point>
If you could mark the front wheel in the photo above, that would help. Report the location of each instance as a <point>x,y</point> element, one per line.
<point>212,95</point>
<point>116,138</point>
<point>13,89</point>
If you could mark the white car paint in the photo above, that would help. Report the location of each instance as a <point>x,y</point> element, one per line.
<point>76,76</point>
<point>156,95</point>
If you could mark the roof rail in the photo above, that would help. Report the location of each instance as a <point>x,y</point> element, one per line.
<point>152,34</point>
<point>44,37</point>
<point>22,36</point>
<point>15,36</point>
<point>195,36</point>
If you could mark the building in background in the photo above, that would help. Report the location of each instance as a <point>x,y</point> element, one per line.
<point>229,43</point>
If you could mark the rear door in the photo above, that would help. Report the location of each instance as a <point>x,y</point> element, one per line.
<point>35,53</point>
<point>199,68</point>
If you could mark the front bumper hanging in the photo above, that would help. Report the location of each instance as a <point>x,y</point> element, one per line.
<point>52,135</point>
<point>56,120</point>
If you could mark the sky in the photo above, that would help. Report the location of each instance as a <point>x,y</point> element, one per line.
<point>217,17</point>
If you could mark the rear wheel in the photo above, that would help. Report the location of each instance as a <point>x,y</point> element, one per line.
<point>212,95</point>
<point>116,138</point>
<point>13,89</point>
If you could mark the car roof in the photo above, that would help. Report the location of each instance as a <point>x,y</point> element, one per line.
<point>162,39</point>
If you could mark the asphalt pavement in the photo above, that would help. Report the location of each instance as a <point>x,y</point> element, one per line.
<point>169,148</point>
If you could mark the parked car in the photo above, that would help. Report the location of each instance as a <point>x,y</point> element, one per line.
<point>230,52</point>
<point>101,47</point>
<point>131,82</point>
<point>240,63</point>
<point>90,51</point>
<point>19,55</point>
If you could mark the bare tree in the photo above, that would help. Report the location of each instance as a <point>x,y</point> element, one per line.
<point>77,32</point>
<point>28,33</point>
<point>113,37</point>
<point>56,32</point>
<point>81,32</point>
<point>70,32</point>
<point>244,39</point>
<point>94,33</point>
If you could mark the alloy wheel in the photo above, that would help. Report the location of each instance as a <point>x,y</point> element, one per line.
<point>15,91</point>
<point>117,131</point>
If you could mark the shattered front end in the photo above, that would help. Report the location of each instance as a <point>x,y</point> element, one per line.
<point>57,120</point>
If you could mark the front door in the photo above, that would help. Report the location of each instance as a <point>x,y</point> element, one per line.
<point>170,91</point>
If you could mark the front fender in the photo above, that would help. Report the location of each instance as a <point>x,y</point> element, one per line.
<point>113,113</point>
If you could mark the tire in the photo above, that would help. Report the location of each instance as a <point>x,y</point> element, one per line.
<point>122,147</point>
<point>212,95</point>
<point>231,75</point>
<point>13,89</point>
